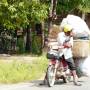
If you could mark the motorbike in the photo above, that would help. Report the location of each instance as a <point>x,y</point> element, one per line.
<point>57,69</point>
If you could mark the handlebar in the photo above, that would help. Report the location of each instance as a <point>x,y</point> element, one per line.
<point>56,47</point>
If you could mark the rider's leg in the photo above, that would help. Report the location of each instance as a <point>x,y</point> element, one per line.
<point>72,67</point>
<point>75,78</point>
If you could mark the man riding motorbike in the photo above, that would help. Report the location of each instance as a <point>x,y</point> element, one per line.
<point>65,39</point>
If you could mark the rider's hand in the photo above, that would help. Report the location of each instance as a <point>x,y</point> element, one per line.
<point>67,45</point>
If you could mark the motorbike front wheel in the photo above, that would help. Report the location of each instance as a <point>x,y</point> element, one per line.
<point>51,71</point>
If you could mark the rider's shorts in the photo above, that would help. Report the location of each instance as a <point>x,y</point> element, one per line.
<point>71,63</point>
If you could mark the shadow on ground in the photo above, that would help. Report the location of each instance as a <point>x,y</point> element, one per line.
<point>37,83</point>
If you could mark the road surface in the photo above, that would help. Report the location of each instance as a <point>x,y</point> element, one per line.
<point>34,85</point>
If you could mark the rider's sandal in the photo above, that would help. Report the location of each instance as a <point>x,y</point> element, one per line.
<point>77,84</point>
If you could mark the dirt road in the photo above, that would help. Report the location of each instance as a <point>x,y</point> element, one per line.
<point>34,85</point>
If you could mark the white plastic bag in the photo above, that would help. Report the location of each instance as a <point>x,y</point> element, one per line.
<point>78,24</point>
<point>86,66</point>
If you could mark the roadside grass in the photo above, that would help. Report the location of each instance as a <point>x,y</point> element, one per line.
<point>21,71</point>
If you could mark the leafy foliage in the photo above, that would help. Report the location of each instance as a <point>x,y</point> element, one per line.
<point>67,6</point>
<point>85,6</point>
<point>20,13</point>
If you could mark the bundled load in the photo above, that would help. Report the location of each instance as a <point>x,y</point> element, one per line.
<point>55,29</point>
<point>85,67</point>
<point>81,48</point>
<point>80,27</point>
<point>52,37</point>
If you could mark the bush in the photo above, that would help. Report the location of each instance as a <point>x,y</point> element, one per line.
<point>20,45</point>
<point>37,45</point>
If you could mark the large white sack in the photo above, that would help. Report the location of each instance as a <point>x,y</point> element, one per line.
<point>85,67</point>
<point>78,24</point>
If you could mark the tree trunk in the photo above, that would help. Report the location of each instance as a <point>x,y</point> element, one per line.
<point>83,15</point>
<point>43,35</point>
<point>52,13</point>
<point>28,39</point>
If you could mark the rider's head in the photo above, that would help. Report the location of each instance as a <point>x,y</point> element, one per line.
<point>68,30</point>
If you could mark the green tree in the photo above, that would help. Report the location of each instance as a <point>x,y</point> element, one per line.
<point>20,13</point>
<point>67,6</point>
<point>84,7</point>
<point>16,14</point>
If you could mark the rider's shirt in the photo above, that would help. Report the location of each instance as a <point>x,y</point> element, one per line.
<point>62,38</point>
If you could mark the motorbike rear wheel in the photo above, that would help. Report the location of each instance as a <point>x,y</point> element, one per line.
<point>51,71</point>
